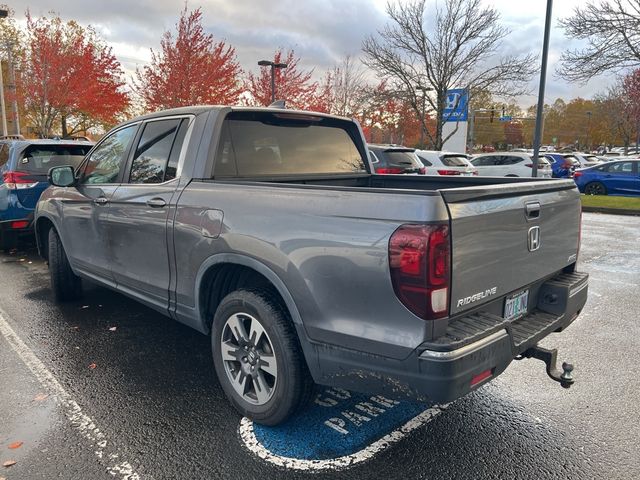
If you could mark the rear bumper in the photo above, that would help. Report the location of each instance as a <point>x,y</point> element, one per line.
<point>443,370</point>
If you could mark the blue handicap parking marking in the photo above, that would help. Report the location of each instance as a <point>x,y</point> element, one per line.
<point>336,424</point>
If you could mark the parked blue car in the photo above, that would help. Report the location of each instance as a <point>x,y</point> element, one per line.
<point>621,177</point>
<point>561,166</point>
<point>24,165</point>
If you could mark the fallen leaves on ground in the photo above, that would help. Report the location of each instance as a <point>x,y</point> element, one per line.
<point>15,445</point>
<point>9,463</point>
<point>92,366</point>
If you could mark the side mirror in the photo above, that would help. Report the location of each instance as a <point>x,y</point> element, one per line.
<point>62,176</point>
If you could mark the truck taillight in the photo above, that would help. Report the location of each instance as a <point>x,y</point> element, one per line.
<point>419,261</point>
<point>17,180</point>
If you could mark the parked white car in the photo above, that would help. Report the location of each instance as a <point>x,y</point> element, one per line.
<point>585,159</point>
<point>509,164</point>
<point>447,163</point>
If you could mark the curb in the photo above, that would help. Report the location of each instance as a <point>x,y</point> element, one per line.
<point>612,211</point>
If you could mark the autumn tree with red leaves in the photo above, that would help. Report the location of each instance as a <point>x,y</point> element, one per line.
<point>68,77</point>
<point>190,69</point>
<point>293,85</point>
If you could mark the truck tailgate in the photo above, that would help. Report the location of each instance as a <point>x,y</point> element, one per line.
<point>505,237</point>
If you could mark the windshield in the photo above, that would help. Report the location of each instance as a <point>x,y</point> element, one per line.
<point>40,158</point>
<point>455,161</point>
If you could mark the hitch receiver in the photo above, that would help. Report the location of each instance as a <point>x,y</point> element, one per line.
<point>565,378</point>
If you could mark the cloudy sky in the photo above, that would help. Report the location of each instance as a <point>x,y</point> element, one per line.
<point>320,31</point>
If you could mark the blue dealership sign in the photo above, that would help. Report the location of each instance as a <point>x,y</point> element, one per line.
<point>456,105</point>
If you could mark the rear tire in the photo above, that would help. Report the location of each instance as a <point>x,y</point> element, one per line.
<point>65,284</point>
<point>258,358</point>
<point>595,188</point>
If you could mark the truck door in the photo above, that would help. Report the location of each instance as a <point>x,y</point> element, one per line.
<point>137,224</point>
<point>86,207</point>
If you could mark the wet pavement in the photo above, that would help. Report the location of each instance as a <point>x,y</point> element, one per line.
<point>141,401</point>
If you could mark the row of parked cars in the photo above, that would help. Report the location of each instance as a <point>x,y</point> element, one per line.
<point>594,175</point>
<point>397,159</point>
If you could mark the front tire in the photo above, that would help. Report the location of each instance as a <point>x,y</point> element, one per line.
<point>258,358</point>
<point>595,188</point>
<point>65,284</point>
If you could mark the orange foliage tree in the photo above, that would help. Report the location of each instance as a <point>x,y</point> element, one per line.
<point>190,69</point>
<point>68,76</point>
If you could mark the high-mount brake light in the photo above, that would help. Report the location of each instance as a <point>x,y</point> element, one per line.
<point>419,261</point>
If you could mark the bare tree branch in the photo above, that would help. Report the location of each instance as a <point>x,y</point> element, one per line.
<point>459,51</point>
<point>612,31</point>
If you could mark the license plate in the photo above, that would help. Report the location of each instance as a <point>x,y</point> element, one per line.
<point>515,306</point>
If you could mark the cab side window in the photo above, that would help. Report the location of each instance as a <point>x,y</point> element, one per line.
<point>103,166</point>
<point>156,155</point>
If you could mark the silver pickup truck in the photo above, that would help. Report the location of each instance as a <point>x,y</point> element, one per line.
<point>265,229</point>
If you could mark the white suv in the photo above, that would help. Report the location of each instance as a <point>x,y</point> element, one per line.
<point>447,163</point>
<point>509,164</point>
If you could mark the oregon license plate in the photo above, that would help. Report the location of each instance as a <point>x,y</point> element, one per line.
<point>515,306</point>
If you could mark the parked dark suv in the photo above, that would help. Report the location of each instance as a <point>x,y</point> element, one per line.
<point>395,159</point>
<point>24,165</point>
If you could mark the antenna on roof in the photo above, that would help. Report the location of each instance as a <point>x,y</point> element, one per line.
<point>278,104</point>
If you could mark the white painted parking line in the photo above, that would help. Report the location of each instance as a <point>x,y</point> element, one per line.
<point>250,441</point>
<point>107,455</point>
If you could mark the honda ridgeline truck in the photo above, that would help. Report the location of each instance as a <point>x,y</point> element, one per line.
<point>267,230</point>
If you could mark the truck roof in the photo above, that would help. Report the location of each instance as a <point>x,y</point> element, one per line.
<point>199,109</point>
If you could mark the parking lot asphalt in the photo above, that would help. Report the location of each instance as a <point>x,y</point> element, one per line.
<point>106,388</point>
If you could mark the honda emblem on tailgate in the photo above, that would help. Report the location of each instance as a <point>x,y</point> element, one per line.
<point>534,239</point>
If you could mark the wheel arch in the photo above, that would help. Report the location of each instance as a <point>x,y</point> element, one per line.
<point>223,273</point>
<point>42,226</point>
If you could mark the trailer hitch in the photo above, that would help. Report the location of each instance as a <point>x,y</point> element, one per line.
<point>549,357</point>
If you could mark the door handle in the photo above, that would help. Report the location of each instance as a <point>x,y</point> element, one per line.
<point>156,202</point>
<point>101,201</point>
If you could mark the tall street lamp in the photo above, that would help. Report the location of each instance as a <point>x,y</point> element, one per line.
<point>424,91</point>
<point>273,65</point>
<point>537,136</point>
<point>589,132</point>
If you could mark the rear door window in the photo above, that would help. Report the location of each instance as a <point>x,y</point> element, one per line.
<point>157,145</point>
<point>38,159</point>
<point>621,168</point>
<point>487,161</point>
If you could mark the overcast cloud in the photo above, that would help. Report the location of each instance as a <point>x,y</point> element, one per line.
<point>320,31</point>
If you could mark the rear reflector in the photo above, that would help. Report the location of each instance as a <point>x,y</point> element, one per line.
<point>20,224</point>
<point>577,174</point>
<point>481,376</point>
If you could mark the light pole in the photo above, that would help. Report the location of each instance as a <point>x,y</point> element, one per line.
<point>273,65</point>
<point>588,131</point>
<point>424,91</point>
<point>537,136</point>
